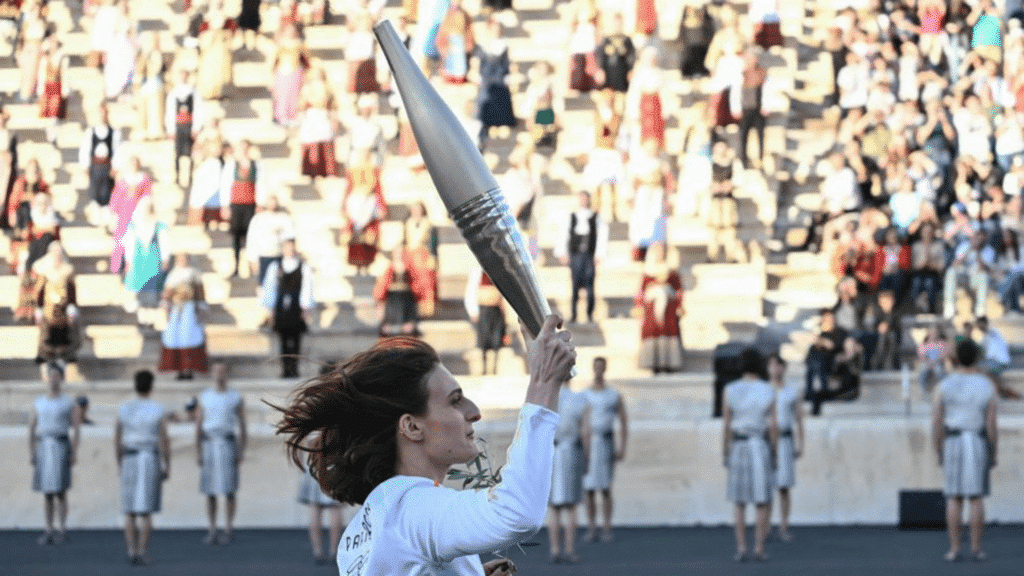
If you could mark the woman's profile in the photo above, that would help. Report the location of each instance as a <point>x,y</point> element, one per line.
<point>383,430</point>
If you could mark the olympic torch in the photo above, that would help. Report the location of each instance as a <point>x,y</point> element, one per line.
<point>467,187</point>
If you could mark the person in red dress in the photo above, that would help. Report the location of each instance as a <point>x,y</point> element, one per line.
<point>660,301</point>
<point>53,93</point>
<point>240,190</point>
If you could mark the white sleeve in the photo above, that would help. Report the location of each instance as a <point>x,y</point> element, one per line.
<point>162,244</point>
<point>469,300</point>
<point>260,184</point>
<point>269,295</point>
<point>306,291</point>
<point>170,113</point>
<point>601,249</point>
<point>198,112</point>
<point>227,177</point>
<point>561,248</point>
<point>83,148</point>
<point>257,228</point>
<point>445,524</point>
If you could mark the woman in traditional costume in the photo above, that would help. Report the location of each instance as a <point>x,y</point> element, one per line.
<point>421,243</point>
<point>52,90</point>
<point>43,228</point>
<point>132,185</point>
<point>56,312</point>
<point>215,60</point>
<point>184,340</point>
<point>289,68</point>
<point>146,256</point>
<point>660,301</point>
<point>455,43</point>
<point>318,126</point>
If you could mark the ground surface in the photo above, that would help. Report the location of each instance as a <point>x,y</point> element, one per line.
<point>642,552</point>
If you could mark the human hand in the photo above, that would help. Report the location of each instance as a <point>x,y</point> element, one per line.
<point>553,354</point>
<point>499,567</point>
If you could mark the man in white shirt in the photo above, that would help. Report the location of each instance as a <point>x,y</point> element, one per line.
<point>997,357</point>
<point>183,117</point>
<point>95,154</point>
<point>583,242</point>
<point>267,231</point>
<point>1013,182</point>
<point>853,81</point>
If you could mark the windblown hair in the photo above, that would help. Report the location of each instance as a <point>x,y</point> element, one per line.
<point>343,425</point>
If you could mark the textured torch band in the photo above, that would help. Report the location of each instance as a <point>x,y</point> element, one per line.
<point>491,232</point>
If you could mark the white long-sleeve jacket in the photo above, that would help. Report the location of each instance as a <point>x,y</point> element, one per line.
<point>410,527</point>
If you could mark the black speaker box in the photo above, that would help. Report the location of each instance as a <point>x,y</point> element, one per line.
<point>922,510</point>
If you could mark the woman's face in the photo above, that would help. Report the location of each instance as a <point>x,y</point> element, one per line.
<point>448,423</point>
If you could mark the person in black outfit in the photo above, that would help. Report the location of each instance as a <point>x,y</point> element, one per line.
<point>249,21</point>
<point>752,117</point>
<point>616,56</point>
<point>99,143</point>
<point>821,357</point>
<point>582,245</point>
<point>183,120</point>
<point>288,300</point>
<point>696,29</point>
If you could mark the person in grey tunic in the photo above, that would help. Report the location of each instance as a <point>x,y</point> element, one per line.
<point>572,442</point>
<point>143,451</point>
<point>750,436</point>
<point>789,418</point>
<point>53,436</point>
<point>965,437</point>
<point>221,437</point>
<point>606,405</point>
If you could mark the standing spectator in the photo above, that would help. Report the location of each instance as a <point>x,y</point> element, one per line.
<point>146,259</point>
<point>54,431</point>
<point>360,52</point>
<point>854,82</point>
<point>583,47</point>
<point>361,221</point>
<point>204,199</point>
<point>660,303</point>
<point>572,443</point>
<point>99,144</point>
<point>653,183</point>
<point>931,356</point>
<point>455,43</point>
<point>56,312</point>
<point>43,229</point>
<point>544,107</point>
<point>288,301</point>
<point>183,342</point>
<point>749,439</point>
<point>888,329</point>
<point>215,69</point>
<point>582,245</point>
<point>242,187</point>
<point>396,296</point>
<point>605,406</point>
<point>789,422</point>
<point>289,67</point>
<point>8,166</point>
<point>18,211</point>
<point>121,52</point>
<point>143,451</point>
<point>249,22</point>
<point>891,263</point>
<point>764,15</point>
<point>33,33</point>
<point>484,307</point>
<point>970,265</point>
<point>696,28</point>
<point>723,213</point>
<point>221,439</point>
<point>995,357</point>
<point>149,86</point>
<point>752,116</point>
<point>615,56</point>
<point>184,114</point>
<point>927,258</point>
<point>822,355</point>
<point>421,244</point>
<point>605,171</point>
<point>268,230</point>
<point>695,164</point>
<point>645,109</point>
<point>493,98</point>
<point>132,186</point>
<point>53,92</point>
<point>318,126</point>
<point>965,436</point>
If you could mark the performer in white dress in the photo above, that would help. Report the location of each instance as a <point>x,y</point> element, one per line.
<point>386,427</point>
<point>221,437</point>
<point>572,442</point>
<point>143,452</point>
<point>605,406</point>
<point>54,430</point>
<point>750,436</point>
<point>965,436</point>
<point>789,419</point>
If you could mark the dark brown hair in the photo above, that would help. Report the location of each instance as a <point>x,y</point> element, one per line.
<point>343,425</point>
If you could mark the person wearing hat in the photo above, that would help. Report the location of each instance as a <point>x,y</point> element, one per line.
<point>288,301</point>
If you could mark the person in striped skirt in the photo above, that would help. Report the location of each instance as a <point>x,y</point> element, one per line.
<point>789,418</point>
<point>143,451</point>
<point>53,447</point>
<point>221,437</point>
<point>606,405</point>
<point>965,437</point>
<point>750,439</point>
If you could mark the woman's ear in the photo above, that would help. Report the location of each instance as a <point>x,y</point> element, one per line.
<point>410,428</point>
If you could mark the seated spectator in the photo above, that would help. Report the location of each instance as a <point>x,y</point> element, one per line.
<point>891,263</point>
<point>997,357</point>
<point>887,334</point>
<point>970,264</point>
<point>822,354</point>
<point>931,358</point>
<point>927,258</point>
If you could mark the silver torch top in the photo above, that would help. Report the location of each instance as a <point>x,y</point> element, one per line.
<point>466,185</point>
